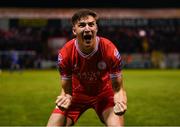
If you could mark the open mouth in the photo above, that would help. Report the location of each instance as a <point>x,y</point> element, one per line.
<point>87,37</point>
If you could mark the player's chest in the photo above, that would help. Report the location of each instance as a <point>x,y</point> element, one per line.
<point>95,63</point>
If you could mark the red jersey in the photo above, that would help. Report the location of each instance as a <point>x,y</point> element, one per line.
<point>90,73</point>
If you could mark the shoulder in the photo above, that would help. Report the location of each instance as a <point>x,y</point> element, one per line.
<point>68,46</point>
<point>66,49</point>
<point>106,44</point>
<point>105,41</point>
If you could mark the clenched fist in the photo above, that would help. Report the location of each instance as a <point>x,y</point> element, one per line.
<point>120,108</point>
<point>63,101</point>
<point>120,100</point>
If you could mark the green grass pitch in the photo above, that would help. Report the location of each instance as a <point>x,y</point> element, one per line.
<point>27,98</point>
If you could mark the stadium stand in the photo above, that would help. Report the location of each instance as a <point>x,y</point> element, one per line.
<point>144,41</point>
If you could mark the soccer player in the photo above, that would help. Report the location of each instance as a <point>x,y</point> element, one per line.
<point>91,76</point>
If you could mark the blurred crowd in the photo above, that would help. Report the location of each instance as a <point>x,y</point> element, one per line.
<point>31,43</point>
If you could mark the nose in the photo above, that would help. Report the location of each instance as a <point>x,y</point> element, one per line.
<point>87,29</point>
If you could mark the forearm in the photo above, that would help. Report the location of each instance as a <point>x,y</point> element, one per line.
<point>64,100</point>
<point>120,98</point>
<point>66,87</point>
<point>66,90</point>
<point>117,85</point>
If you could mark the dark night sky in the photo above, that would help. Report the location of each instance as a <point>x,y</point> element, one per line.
<point>91,3</point>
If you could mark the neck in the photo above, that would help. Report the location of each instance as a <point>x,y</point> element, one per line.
<point>87,49</point>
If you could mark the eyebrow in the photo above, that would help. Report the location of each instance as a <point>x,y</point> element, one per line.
<point>85,22</point>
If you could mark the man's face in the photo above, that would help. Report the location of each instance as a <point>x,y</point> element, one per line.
<point>85,30</point>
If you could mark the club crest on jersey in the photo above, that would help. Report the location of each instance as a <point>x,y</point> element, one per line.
<point>117,54</point>
<point>59,58</point>
<point>101,65</point>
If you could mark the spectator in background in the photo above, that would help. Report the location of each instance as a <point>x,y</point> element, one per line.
<point>14,60</point>
<point>158,59</point>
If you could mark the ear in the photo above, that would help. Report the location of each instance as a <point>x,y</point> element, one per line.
<point>74,31</point>
<point>97,28</point>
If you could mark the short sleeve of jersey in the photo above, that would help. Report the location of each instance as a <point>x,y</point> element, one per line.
<point>115,62</point>
<point>63,64</point>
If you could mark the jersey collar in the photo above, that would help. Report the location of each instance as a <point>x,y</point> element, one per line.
<point>90,54</point>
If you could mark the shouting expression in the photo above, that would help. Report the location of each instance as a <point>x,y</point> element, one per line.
<point>85,31</point>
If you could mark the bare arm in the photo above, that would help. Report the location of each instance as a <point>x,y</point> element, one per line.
<point>66,87</point>
<point>64,100</point>
<point>120,98</point>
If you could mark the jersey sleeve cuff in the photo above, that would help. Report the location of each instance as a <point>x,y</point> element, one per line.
<point>115,75</point>
<point>66,77</point>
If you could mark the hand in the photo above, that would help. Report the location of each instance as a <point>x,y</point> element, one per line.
<point>64,101</point>
<point>120,100</point>
<point>120,108</point>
